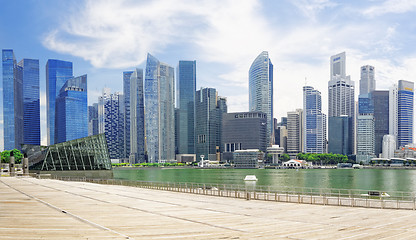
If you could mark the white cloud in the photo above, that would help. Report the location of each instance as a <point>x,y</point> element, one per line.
<point>310,8</point>
<point>390,6</point>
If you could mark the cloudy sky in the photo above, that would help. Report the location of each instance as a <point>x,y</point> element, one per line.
<point>104,38</point>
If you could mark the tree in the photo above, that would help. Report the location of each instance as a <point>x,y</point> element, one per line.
<point>5,156</point>
<point>284,157</point>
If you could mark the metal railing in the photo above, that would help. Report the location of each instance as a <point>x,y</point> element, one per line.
<point>319,196</point>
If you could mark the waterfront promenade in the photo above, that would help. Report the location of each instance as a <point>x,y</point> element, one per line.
<point>50,209</point>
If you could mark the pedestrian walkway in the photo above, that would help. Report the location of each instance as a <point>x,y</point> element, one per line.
<point>50,209</point>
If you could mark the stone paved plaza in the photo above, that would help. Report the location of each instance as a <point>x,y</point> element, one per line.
<point>50,209</point>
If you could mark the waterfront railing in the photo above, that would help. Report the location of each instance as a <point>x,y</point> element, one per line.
<point>251,191</point>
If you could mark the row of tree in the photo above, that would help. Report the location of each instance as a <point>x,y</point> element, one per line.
<point>5,156</point>
<point>324,158</point>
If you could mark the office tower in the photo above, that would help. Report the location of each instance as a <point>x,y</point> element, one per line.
<point>380,102</point>
<point>389,145</point>
<point>137,140</point>
<point>31,101</point>
<point>261,89</point>
<point>365,137</point>
<point>159,108</point>
<point>281,137</point>
<point>405,113</point>
<point>186,87</point>
<point>314,121</point>
<point>93,119</point>
<point>71,113</point>
<point>244,130</point>
<point>294,132</point>
<point>111,122</point>
<point>208,116</point>
<point>340,101</point>
<point>57,73</point>
<point>12,101</point>
<point>367,81</point>
<point>393,111</point>
<point>127,111</point>
<point>340,133</point>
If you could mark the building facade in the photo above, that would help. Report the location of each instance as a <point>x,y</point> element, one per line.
<point>389,146</point>
<point>314,121</point>
<point>186,88</point>
<point>137,139</point>
<point>57,73</point>
<point>340,133</point>
<point>341,99</point>
<point>159,109</point>
<point>367,81</point>
<point>244,130</point>
<point>405,112</point>
<point>294,133</point>
<point>71,113</point>
<point>209,109</point>
<point>12,101</point>
<point>365,137</point>
<point>93,119</point>
<point>127,110</point>
<point>381,111</point>
<point>261,89</point>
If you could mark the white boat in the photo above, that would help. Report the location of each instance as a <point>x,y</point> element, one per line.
<point>250,178</point>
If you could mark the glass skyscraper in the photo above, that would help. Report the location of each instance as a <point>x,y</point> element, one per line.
<point>127,119</point>
<point>93,119</point>
<point>12,101</point>
<point>31,101</point>
<point>159,108</point>
<point>314,121</point>
<point>380,102</point>
<point>367,81</point>
<point>137,140</point>
<point>405,112</point>
<point>186,87</point>
<point>57,73</point>
<point>261,89</point>
<point>71,110</point>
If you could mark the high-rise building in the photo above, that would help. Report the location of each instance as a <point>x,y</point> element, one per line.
<point>380,103</point>
<point>111,122</point>
<point>340,100</point>
<point>71,113</point>
<point>367,81</point>
<point>294,132</point>
<point>340,133</point>
<point>186,87</point>
<point>159,100</point>
<point>244,130</point>
<point>57,73</point>
<point>389,145</point>
<point>261,89</point>
<point>93,119</point>
<point>365,137</point>
<point>31,101</point>
<point>405,113</point>
<point>314,121</point>
<point>208,117</point>
<point>12,101</point>
<point>281,137</point>
<point>127,111</point>
<point>137,140</point>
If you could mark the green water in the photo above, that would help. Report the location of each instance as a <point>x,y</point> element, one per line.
<point>364,179</point>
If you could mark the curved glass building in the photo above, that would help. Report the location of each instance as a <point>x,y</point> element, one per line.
<point>261,89</point>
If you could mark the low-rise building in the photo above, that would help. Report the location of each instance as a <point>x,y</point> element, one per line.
<point>251,158</point>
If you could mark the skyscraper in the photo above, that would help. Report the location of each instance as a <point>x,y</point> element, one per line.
<point>367,81</point>
<point>380,102</point>
<point>127,111</point>
<point>93,119</point>
<point>208,111</point>
<point>340,101</point>
<point>393,112</point>
<point>57,73</point>
<point>137,140</point>
<point>294,132</point>
<point>314,121</point>
<point>405,112</point>
<point>365,137</point>
<point>31,101</point>
<point>186,87</point>
<point>12,101</point>
<point>111,122</point>
<point>71,110</point>
<point>261,89</point>
<point>159,109</point>
<point>340,133</point>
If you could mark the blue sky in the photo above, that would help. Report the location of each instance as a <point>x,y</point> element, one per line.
<point>105,38</point>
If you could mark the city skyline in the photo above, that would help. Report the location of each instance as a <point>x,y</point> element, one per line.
<point>296,52</point>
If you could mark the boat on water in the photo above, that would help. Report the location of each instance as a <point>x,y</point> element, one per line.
<point>250,178</point>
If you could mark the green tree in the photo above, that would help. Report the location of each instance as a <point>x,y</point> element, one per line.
<point>5,156</point>
<point>284,157</point>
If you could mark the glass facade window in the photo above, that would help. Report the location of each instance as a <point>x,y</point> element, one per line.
<point>137,140</point>
<point>57,73</point>
<point>127,110</point>
<point>405,113</point>
<point>314,123</point>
